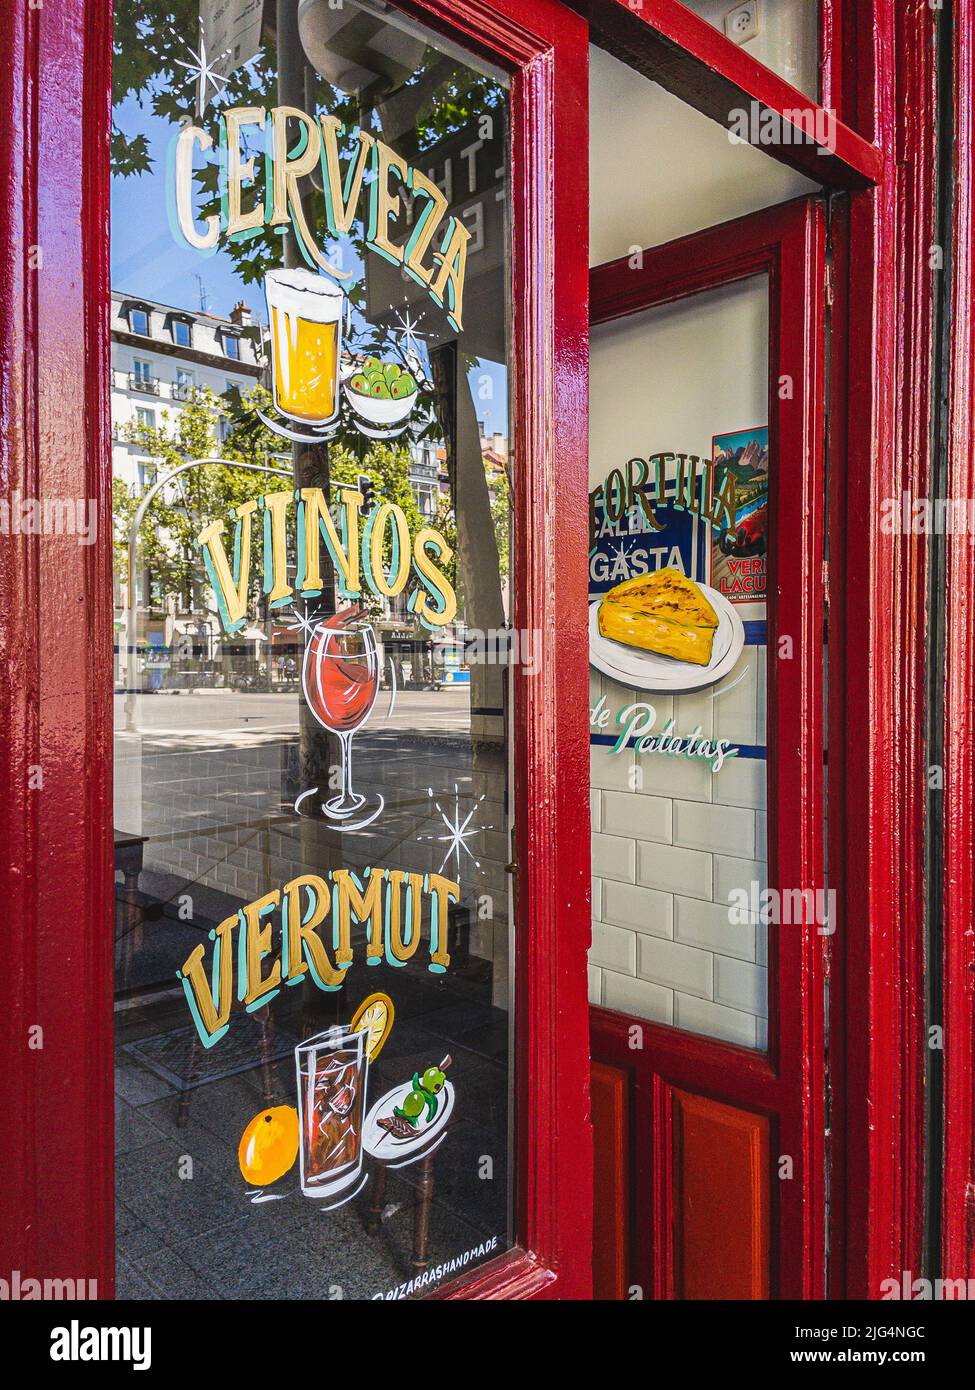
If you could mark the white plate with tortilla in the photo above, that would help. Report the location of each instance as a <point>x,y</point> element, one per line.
<point>664,675</point>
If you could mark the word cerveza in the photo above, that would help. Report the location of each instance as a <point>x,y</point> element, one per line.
<point>77,1343</point>
<point>296,147</point>
<point>636,722</point>
<point>357,559</point>
<point>294,914</point>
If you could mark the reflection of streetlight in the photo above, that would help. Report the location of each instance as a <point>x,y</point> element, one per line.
<point>355,55</point>
<point>130,603</point>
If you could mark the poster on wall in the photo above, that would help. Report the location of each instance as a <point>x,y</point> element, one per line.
<point>657,622</point>
<point>739,552</point>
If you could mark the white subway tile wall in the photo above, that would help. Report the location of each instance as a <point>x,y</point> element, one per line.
<point>670,841</point>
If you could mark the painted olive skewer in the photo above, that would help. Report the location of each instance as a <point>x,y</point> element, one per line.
<point>424,1094</point>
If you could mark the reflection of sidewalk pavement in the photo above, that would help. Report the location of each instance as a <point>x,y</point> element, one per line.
<point>218,810</point>
<point>173,1234</point>
<point>215,718</point>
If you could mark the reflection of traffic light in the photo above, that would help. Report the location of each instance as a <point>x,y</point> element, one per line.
<point>368,490</point>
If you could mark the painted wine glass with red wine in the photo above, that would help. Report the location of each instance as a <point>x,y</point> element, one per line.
<point>340,678</point>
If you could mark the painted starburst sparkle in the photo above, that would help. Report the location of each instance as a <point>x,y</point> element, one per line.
<point>202,70</point>
<point>458,831</point>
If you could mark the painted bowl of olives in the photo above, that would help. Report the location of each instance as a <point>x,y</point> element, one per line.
<point>381,393</point>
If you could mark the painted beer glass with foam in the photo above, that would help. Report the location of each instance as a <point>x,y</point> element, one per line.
<point>305,313</point>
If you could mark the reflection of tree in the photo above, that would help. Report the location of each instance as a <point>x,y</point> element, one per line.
<point>443,100</point>
<point>167,538</point>
<point>479,564</point>
<point>439,100</point>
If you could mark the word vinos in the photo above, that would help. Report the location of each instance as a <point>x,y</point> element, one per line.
<point>357,559</point>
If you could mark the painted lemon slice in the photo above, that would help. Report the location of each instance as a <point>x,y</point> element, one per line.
<point>269,1145</point>
<point>374,1014</point>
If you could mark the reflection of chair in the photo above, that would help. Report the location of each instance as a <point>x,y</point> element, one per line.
<point>192,1080</point>
<point>421,1218</point>
<point>128,862</point>
<point>133,909</point>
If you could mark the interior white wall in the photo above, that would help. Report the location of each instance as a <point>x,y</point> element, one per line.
<point>658,169</point>
<point>787,40</point>
<point>674,376</point>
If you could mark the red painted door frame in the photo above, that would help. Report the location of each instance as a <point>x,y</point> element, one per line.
<point>57,640</point>
<point>880,448</point>
<point>692,59</point>
<point>878,73</point>
<point>56,1220</point>
<point>787,243</point>
<point>958,1214</point>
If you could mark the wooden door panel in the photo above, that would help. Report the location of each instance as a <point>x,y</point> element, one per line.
<point>720,1199</point>
<point>610,1101</point>
<point>684,1201</point>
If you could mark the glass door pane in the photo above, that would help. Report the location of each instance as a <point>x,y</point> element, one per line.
<point>313,925</point>
<point>678,572</point>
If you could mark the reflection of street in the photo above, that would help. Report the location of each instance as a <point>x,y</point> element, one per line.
<point>218,716</point>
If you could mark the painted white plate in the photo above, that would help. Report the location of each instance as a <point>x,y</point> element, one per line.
<point>382,411</point>
<point>663,674</point>
<point>379,1143</point>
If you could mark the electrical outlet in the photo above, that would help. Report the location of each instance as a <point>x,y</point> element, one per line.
<point>741,23</point>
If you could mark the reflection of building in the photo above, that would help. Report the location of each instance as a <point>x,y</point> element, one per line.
<point>160,357</point>
<point>427,476</point>
<point>421,658</point>
<point>494,451</point>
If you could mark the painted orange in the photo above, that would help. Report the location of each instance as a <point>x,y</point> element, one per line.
<point>609,1099</point>
<point>269,1145</point>
<point>720,1184</point>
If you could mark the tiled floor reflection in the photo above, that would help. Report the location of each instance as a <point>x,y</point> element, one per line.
<point>217,829</point>
<point>186,1225</point>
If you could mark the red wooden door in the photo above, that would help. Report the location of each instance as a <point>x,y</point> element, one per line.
<point>721,1148</point>
<point>57,670</point>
